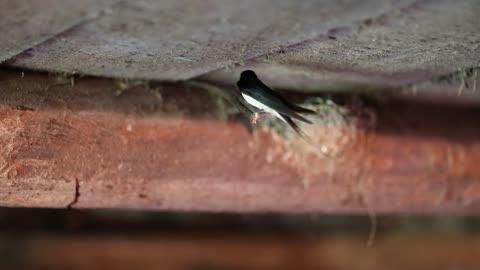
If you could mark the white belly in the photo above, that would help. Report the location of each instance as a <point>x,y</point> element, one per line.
<point>255,103</point>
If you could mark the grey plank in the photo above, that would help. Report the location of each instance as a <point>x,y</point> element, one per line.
<point>26,23</point>
<point>436,37</point>
<point>181,39</point>
<point>419,42</point>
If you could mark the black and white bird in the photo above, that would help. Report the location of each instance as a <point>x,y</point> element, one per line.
<point>260,96</point>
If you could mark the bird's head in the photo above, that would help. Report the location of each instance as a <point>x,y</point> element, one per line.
<point>248,75</point>
<point>248,80</point>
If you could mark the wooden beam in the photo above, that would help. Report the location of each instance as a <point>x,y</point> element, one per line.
<point>101,143</point>
<point>189,251</point>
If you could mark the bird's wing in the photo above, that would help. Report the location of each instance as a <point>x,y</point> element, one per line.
<point>275,101</point>
<point>291,105</point>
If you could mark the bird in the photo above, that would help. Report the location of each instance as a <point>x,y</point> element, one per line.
<point>260,96</point>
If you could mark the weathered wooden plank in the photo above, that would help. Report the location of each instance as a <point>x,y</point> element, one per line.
<point>25,24</point>
<point>207,251</point>
<point>420,41</point>
<point>174,147</point>
<point>180,39</point>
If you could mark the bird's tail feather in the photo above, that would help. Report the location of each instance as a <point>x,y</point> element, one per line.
<point>300,109</point>
<point>301,118</point>
<point>297,129</point>
<point>303,135</point>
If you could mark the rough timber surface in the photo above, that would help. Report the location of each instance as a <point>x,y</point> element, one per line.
<point>424,40</point>
<point>25,24</point>
<point>96,143</point>
<point>302,45</point>
<point>180,39</point>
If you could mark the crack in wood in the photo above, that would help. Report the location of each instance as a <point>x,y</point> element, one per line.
<point>76,195</point>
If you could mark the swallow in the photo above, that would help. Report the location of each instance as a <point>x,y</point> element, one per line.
<point>260,96</point>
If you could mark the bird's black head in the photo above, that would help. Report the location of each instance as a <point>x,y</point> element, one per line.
<point>248,79</point>
<point>248,75</point>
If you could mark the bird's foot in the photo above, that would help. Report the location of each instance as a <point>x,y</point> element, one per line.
<point>257,116</point>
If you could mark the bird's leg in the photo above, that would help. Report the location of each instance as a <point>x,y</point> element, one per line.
<point>257,116</point>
